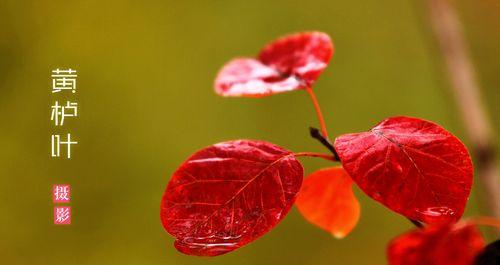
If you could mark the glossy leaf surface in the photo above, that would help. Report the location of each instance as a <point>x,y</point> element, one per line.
<point>289,63</point>
<point>229,194</point>
<point>412,166</point>
<point>444,244</point>
<point>326,200</point>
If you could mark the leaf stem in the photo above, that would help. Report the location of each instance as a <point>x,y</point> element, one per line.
<point>486,221</point>
<point>318,111</point>
<point>312,154</point>
<point>417,223</point>
<point>314,132</point>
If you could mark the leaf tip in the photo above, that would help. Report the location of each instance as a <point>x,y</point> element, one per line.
<point>339,234</point>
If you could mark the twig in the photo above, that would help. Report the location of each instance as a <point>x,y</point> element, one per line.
<point>314,132</point>
<point>417,223</point>
<point>466,90</point>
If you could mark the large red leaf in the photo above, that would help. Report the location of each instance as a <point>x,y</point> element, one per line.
<point>326,200</point>
<point>412,166</point>
<point>445,244</point>
<point>229,194</point>
<point>289,63</point>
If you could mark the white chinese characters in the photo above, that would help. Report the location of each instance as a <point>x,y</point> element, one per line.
<point>60,112</point>
<point>63,80</point>
<point>61,193</point>
<point>56,145</point>
<point>62,215</point>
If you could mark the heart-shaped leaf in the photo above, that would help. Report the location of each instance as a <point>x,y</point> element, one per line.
<point>227,195</point>
<point>444,244</point>
<point>289,63</point>
<point>326,200</point>
<point>412,166</point>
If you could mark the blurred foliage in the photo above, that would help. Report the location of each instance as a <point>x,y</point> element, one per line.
<point>146,70</point>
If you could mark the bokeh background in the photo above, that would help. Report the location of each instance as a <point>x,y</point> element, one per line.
<point>146,70</point>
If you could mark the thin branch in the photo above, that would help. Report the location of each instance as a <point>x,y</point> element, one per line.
<point>314,132</point>
<point>466,90</point>
<point>417,223</point>
<point>488,221</point>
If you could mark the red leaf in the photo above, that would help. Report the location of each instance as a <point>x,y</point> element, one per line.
<point>412,166</point>
<point>289,63</point>
<point>444,244</point>
<point>229,194</point>
<point>326,200</point>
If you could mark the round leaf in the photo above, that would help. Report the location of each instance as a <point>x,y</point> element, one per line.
<point>326,200</point>
<point>229,194</point>
<point>412,166</point>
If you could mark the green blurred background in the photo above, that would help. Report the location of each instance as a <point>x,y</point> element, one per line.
<point>146,70</point>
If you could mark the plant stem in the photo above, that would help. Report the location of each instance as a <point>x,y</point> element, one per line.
<point>317,135</point>
<point>465,88</point>
<point>417,223</point>
<point>311,154</point>
<point>318,111</point>
<point>487,221</point>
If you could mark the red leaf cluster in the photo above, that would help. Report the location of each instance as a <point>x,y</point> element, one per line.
<point>289,63</point>
<point>229,194</point>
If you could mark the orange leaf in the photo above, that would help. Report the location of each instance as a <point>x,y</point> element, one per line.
<point>326,200</point>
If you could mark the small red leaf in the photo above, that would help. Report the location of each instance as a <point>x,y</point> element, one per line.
<point>289,63</point>
<point>444,244</point>
<point>412,166</point>
<point>229,194</point>
<point>326,200</point>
